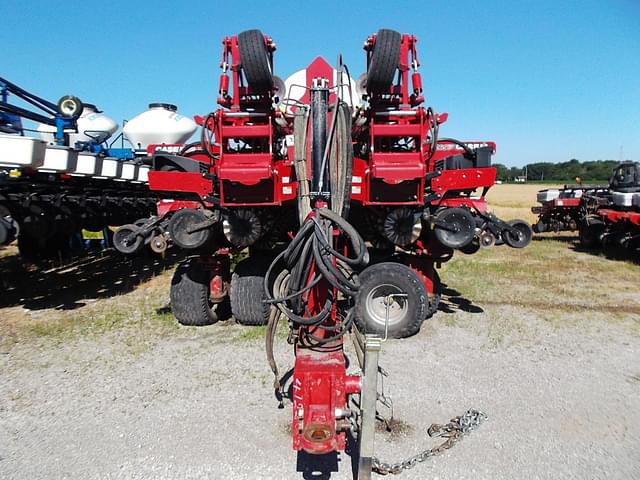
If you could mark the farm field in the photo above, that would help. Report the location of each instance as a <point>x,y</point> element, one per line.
<point>98,381</point>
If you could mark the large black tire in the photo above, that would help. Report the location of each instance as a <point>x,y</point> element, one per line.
<point>255,61</point>
<point>385,58</point>
<point>524,236</point>
<point>247,292</point>
<point>405,314</point>
<point>462,221</point>
<point>436,295</point>
<point>590,231</point>
<point>190,302</point>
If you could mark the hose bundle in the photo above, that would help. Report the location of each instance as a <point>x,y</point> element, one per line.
<point>308,260</point>
<point>312,259</point>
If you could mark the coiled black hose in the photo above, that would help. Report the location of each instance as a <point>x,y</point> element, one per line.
<point>312,249</point>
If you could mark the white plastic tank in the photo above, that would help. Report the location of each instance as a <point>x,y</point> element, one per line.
<point>92,125</point>
<point>160,124</point>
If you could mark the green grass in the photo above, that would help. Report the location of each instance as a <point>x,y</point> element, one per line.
<point>548,279</point>
<point>253,334</point>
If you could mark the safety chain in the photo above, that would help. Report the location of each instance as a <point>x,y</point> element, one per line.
<point>453,431</point>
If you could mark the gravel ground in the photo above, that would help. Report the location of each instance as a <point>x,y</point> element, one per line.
<point>563,402</point>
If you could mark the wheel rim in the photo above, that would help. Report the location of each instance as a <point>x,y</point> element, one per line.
<point>522,236</point>
<point>376,308</point>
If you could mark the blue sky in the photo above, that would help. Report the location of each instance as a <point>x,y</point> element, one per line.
<point>547,80</point>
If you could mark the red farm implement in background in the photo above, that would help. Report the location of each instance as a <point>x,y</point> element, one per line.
<point>611,218</point>
<point>604,215</point>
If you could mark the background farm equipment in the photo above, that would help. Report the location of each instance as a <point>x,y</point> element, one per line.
<point>612,217</point>
<point>69,179</point>
<point>561,209</point>
<point>605,215</point>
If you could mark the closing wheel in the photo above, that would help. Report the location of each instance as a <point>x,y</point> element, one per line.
<point>455,227</point>
<point>247,292</point>
<point>396,288</point>
<point>255,60</point>
<point>385,58</point>
<point>126,239</point>
<point>190,289</point>
<point>520,239</point>
<point>590,232</point>
<point>70,106</point>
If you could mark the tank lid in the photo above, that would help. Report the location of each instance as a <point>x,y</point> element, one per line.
<point>92,107</point>
<point>168,106</point>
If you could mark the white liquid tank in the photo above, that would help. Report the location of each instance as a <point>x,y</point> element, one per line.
<point>93,125</point>
<point>159,124</point>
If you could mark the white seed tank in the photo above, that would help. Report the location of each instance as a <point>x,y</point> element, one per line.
<point>160,124</point>
<point>93,125</point>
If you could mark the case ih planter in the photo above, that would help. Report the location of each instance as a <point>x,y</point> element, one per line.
<point>345,210</point>
<point>245,184</point>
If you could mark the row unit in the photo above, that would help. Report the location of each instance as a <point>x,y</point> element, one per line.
<point>21,152</point>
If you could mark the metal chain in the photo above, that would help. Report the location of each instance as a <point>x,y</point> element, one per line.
<point>453,431</point>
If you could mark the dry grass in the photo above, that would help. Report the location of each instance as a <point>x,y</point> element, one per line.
<point>510,201</point>
<point>551,279</point>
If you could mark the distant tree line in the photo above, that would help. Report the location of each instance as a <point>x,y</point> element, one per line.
<point>593,171</point>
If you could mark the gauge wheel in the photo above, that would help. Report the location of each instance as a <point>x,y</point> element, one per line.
<point>455,227</point>
<point>247,292</point>
<point>590,231</point>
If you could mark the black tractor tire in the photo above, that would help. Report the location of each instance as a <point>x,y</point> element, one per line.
<point>589,233</point>
<point>380,280</point>
<point>459,218</point>
<point>190,301</point>
<point>435,296</point>
<point>255,61</point>
<point>522,239</point>
<point>385,58</point>
<point>247,292</point>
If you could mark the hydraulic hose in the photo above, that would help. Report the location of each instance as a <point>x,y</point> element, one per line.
<point>311,248</point>
<point>462,145</point>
